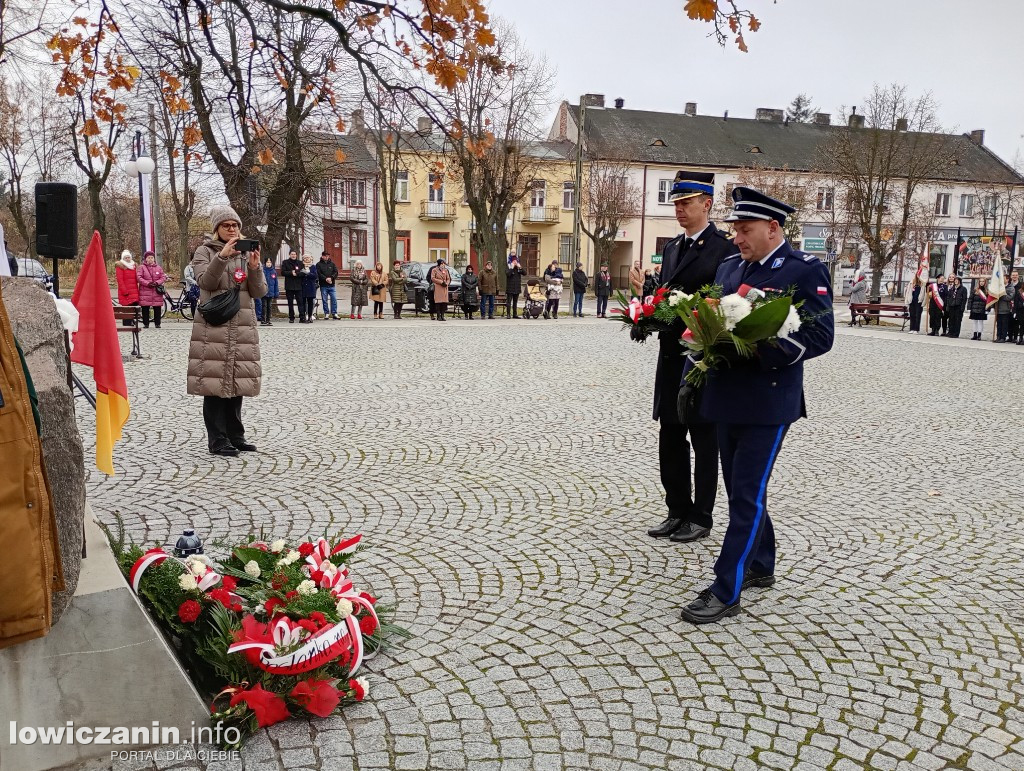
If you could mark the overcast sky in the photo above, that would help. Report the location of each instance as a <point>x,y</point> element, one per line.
<point>647,52</point>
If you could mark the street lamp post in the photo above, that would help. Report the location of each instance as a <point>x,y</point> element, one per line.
<point>139,167</point>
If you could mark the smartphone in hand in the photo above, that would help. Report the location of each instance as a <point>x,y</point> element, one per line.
<point>247,244</point>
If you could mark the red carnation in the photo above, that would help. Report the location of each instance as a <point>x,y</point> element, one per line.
<point>278,581</point>
<point>318,618</point>
<point>345,657</point>
<point>318,696</point>
<point>306,549</point>
<point>268,707</point>
<point>309,626</point>
<point>291,595</point>
<point>647,309</point>
<point>223,596</point>
<point>368,597</point>
<point>228,583</point>
<point>189,611</point>
<point>357,690</point>
<point>273,602</point>
<point>368,625</point>
<point>316,576</point>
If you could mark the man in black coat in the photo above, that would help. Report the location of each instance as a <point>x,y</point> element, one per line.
<point>689,262</point>
<point>291,269</point>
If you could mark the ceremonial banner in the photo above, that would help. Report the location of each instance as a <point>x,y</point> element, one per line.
<point>978,254</point>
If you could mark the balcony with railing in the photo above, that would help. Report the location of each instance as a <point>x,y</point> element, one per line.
<point>540,215</point>
<point>347,213</point>
<point>437,210</point>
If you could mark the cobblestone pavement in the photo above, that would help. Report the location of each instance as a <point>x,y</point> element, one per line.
<point>504,474</point>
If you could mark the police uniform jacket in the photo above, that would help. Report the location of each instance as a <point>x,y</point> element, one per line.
<point>768,388</point>
<point>687,270</point>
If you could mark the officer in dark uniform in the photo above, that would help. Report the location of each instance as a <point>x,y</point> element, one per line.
<point>755,400</point>
<point>690,261</point>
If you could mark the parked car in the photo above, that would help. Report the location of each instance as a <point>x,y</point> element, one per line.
<point>29,268</point>
<point>416,279</point>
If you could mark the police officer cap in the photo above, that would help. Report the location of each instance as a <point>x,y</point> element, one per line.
<point>751,204</point>
<point>690,183</point>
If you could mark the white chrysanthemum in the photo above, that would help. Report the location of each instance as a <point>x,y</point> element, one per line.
<point>306,587</point>
<point>344,608</point>
<point>291,557</point>
<point>277,546</point>
<point>196,565</point>
<point>188,582</point>
<point>735,309</point>
<point>252,568</point>
<point>676,296</point>
<point>365,685</point>
<point>791,324</point>
<point>259,610</point>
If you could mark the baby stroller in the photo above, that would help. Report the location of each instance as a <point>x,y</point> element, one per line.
<point>533,303</point>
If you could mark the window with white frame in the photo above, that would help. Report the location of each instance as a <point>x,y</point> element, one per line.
<point>966,205</point>
<point>338,192</point>
<point>538,192</point>
<point>435,188</point>
<point>320,193</point>
<point>357,243</point>
<point>565,248</point>
<point>991,205</point>
<point>402,187</point>
<point>826,198</point>
<point>568,195</point>
<point>664,188</point>
<point>942,204</point>
<point>357,192</point>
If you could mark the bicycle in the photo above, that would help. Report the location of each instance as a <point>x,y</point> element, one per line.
<point>185,304</point>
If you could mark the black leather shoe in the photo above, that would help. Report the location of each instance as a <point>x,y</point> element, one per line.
<point>688,531</point>
<point>752,581</point>
<point>707,609</point>
<point>245,447</point>
<point>666,528</point>
<point>229,451</point>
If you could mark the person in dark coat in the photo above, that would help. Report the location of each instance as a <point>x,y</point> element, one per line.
<point>1006,329</point>
<point>488,281</point>
<point>1018,311</point>
<point>956,304</point>
<point>937,307</point>
<point>513,287</point>
<point>310,286</point>
<point>916,305</point>
<point>690,261</point>
<point>471,293</point>
<point>979,308</point>
<point>603,290</point>
<point>650,284</point>
<point>327,276</point>
<point>292,271</point>
<point>579,288</point>
<point>268,300</point>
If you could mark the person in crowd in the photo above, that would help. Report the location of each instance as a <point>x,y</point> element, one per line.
<point>224,360</point>
<point>327,276</point>
<point>956,303</point>
<point>937,306</point>
<point>915,305</point>
<point>471,293</point>
<point>441,279</point>
<point>553,277</point>
<point>310,286</point>
<point>858,294</point>
<point>431,305</point>
<point>580,282</point>
<point>1004,313</point>
<point>268,300</point>
<point>513,287</point>
<point>1018,311</point>
<point>151,287</point>
<point>603,290</point>
<point>292,270</point>
<point>378,289</point>
<point>191,287</point>
<point>126,272</point>
<point>650,285</point>
<point>657,275</point>
<point>636,281</point>
<point>979,309</point>
<point>396,281</point>
<point>1013,329</point>
<point>359,280</point>
<point>488,280</point>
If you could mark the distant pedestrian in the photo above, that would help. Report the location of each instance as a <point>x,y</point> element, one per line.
<point>151,289</point>
<point>378,289</point>
<point>358,278</point>
<point>327,275</point>
<point>441,279</point>
<point>396,280</point>
<point>1016,331</point>
<point>292,268</point>
<point>268,300</point>
<point>979,309</point>
<point>858,294</point>
<point>956,304</point>
<point>488,280</point>
<point>915,305</point>
<point>636,281</point>
<point>937,306</point>
<point>431,305</point>
<point>126,272</point>
<point>513,287</point>
<point>553,277</point>
<point>580,282</point>
<point>191,287</point>
<point>310,286</point>
<point>471,293</point>
<point>650,284</point>
<point>1018,311</point>
<point>1004,312</point>
<point>603,290</point>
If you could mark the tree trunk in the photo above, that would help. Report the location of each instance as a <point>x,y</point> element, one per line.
<point>99,218</point>
<point>184,258</point>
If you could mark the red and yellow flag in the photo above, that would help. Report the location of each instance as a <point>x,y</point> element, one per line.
<point>96,345</point>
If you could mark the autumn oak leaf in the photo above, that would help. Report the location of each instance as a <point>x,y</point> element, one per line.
<point>702,10</point>
<point>339,156</point>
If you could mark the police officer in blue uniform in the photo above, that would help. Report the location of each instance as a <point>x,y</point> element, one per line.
<point>754,401</point>
<point>690,261</point>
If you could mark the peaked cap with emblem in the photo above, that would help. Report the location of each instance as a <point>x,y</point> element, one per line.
<point>687,184</point>
<point>751,204</point>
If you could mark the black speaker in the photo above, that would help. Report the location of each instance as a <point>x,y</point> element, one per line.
<point>57,220</point>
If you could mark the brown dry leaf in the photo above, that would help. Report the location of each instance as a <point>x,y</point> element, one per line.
<point>704,10</point>
<point>339,156</point>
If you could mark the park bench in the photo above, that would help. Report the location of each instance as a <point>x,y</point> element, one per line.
<point>867,311</point>
<point>132,314</point>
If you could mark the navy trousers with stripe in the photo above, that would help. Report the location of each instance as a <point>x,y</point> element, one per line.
<point>748,454</point>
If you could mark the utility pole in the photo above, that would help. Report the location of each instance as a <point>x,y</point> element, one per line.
<point>156,185</point>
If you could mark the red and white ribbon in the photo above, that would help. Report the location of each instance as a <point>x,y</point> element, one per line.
<point>151,557</point>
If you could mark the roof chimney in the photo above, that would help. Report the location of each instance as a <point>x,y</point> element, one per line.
<point>620,103</point>
<point>901,124</point>
<point>822,119</point>
<point>978,136</point>
<point>768,115</point>
<point>691,108</point>
<point>856,121</point>
<point>424,125</point>
<point>592,100</point>
<point>356,125</point>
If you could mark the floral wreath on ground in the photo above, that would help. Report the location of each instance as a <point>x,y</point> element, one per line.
<point>272,631</point>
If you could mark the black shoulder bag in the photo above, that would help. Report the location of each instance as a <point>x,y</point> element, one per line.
<point>219,310</point>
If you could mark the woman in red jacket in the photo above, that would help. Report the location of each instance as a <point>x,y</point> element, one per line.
<point>127,282</point>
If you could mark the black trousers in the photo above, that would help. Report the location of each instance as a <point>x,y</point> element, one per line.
<point>697,504</point>
<point>308,303</point>
<point>936,319</point>
<point>397,308</point>
<point>294,298</point>
<point>223,418</point>
<point>440,309</point>
<point>266,303</point>
<point>512,305</point>
<point>1002,325</point>
<point>157,311</point>
<point>378,307</point>
<point>915,316</point>
<point>956,319</point>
